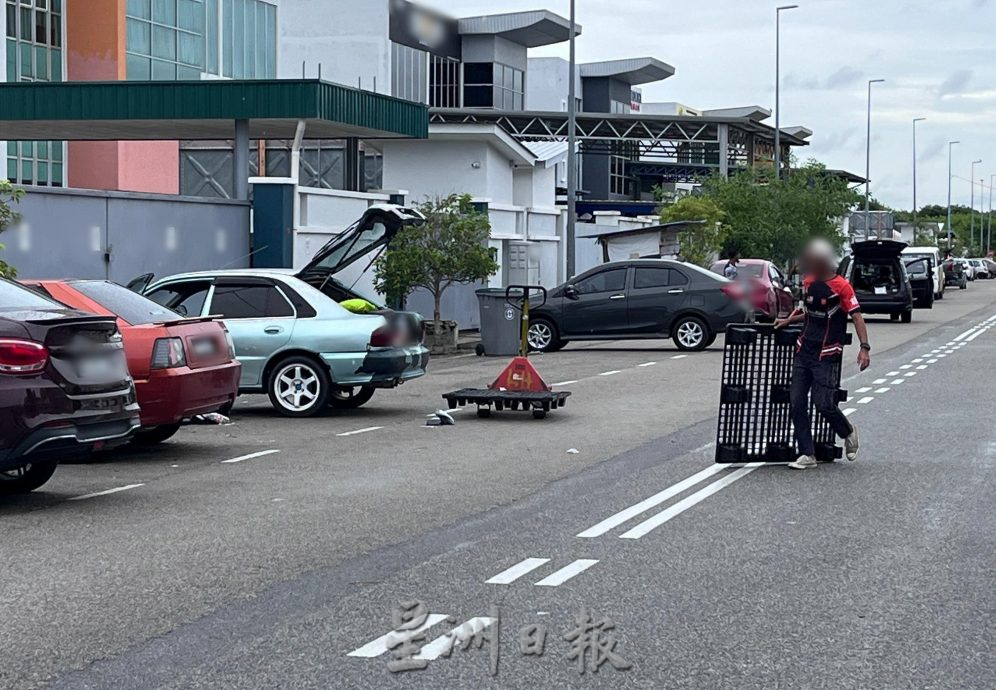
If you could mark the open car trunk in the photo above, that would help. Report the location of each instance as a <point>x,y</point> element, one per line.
<point>365,240</point>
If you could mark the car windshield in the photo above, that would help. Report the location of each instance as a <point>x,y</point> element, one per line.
<point>13,296</point>
<point>130,306</point>
<point>917,268</point>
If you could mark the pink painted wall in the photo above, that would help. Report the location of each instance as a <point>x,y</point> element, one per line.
<point>95,42</point>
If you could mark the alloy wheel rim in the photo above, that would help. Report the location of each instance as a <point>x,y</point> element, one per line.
<point>297,387</point>
<point>540,336</point>
<point>690,334</point>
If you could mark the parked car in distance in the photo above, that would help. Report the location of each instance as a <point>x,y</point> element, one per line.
<point>933,255</point>
<point>969,269</point>
<point>922,282</point>
<point>182,367</point>
<point>954,274</point>
<point>639,299</point>
<point>64,387</point>
<point>294,340</point>
<point>981,269</point>
<point>769,290</point>
<point>877,272</point>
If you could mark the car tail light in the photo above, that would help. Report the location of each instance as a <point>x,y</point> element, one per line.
<point>168,354</point>
<point>230,343</point>
<point>386,336</point>
<point>21,356</point>
<point>733,291</point>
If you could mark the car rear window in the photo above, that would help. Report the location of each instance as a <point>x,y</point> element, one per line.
<point>13,296</point>
<point>130,306</point>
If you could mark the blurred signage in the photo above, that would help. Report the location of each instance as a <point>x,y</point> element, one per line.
<point>424,29</point>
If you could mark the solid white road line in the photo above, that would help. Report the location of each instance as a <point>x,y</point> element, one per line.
<point>472,627</point>
<point>681,506</point>
<point>865,400</point>
<point>375,648</point>
<point>243,458</point>
<point>648,364</point>
<point>106,493</point>
<point>610,373</point>
<point>361,431</point>
<point>509,576</point>
<point>566,573</point>
<point>652,502</point>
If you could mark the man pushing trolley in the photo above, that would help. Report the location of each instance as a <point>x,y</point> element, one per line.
<point>828,301</point>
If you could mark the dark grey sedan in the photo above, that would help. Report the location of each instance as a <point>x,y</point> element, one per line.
<point>639,299</point>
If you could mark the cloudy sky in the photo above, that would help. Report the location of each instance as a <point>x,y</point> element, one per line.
<point>938,57</point>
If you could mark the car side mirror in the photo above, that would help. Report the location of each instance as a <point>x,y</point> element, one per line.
<point>571,292</point>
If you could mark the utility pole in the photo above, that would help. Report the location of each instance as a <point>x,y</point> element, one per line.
<point>915,209</point>
<point>989,232</point>
<point>778,86</point>
<point>572,161</point>
<point>971,208</point>
<point>950,232</point>
<point>868,157</point>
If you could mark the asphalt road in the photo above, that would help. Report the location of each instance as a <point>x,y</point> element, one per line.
<point>281,569</point>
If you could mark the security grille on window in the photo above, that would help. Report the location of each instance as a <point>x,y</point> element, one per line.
<point>444,82</point>
<point>34,53</point>
<point>409,73</point>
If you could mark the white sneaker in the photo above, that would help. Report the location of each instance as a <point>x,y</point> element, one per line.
<point>805,462</point>
<point>851,445</point>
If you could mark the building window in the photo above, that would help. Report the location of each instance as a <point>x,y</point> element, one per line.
<point>409,73</point>
<point>33,45</point>
<point>620,108</point>
<point>493,85</point>
<point>618,161</point>
<point>444,82</point>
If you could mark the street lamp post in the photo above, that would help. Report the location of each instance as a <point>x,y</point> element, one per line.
<point>915,226</point>
<point>868,149</point>
<point>778,84</point>
<point>572,162</point>
<point>950,233</point>
<point>989,232</point>
<point>971,209</point>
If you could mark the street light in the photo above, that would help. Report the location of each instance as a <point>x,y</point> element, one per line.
<point>572,163</point>
<point>971,209</point>
<point>868,155</point>
<point>950,233</point>
<point>989,232</point>
<point>778,84</point>
<point>915,120</point>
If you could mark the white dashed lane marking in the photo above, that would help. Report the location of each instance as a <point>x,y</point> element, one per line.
<point>610,373</point>
<point>879,382</point>
<point>106,493</point>
<point>849,411</point>
<point>648,364</point>
<point>563,383</point>
<point>898,381</point>
<point>679,357</point>
<point>251,456</point>
<point>883,390</point>
<point>865,400</point>
<point>521,568</point>
<point>909,373</point>
<point>566,573</point>
<point>863,390</point>
<point>361,431</point>
<point>375,648</point>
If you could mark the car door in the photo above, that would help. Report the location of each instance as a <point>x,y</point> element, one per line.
<point>783,293</point>
<point>658,293</point>
<point>260,319</point>
<point>599,305</point>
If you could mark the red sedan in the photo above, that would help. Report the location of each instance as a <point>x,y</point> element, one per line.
<point>771,293</point>
<point>182,367</point>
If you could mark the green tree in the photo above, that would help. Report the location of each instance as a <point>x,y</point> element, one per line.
<point>450,248</point>
<point>771,218</point>
<point>8,196</point>
<point>700,242</point>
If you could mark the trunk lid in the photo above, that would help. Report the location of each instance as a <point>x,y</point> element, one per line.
<point>875,250</point>
<point>204,342</point>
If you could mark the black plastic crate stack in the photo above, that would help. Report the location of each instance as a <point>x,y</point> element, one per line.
<point>755,422</point>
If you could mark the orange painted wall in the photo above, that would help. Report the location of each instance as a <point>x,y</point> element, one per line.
<point>95,51</point>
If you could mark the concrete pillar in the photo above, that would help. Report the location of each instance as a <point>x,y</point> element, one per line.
<point>240,160</point>
<point>724,150</point>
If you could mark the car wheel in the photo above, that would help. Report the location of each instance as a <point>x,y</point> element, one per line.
<point>299,387</point>
<point>543,336</point>
<point>155,435</point>
<point>893,317</point>
<point>907,316</point>
<point>350,398</point>
<point>22,480</point>
<point>691,334</point>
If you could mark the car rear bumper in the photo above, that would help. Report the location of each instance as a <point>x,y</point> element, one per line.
<point>878,304</point>
<point>170,395</point>
<point>70,441</point>
<point>384,368</point>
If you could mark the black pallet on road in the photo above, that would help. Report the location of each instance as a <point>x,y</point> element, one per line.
<point>485,398</point>
<point>755,422</point>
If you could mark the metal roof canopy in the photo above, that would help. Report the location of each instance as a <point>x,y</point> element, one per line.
<point>206,110</point>
<point>632,71</point>
<point>531,29</point>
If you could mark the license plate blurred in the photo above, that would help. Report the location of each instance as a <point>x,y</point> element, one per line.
<point>99,368</point>
<point>204,348</point>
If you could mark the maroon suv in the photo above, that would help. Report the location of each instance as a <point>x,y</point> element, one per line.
<point>64,387</point>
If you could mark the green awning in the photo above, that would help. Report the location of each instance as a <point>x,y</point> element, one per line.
<point>168,110</point>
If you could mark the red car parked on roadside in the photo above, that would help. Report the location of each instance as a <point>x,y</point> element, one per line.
<point>182,367</point>
<point>771,294</point>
